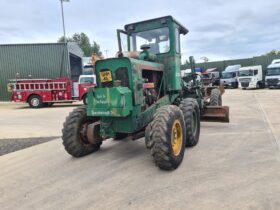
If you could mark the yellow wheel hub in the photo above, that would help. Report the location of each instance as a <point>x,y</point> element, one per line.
<point>177,137</point>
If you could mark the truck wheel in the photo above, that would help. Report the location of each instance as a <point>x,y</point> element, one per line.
<point>85,101</point>
<point>35,101</point>
<point>167,137</point>
<point>215,98</point>
<point>74,136</point>
<point>190,109</point>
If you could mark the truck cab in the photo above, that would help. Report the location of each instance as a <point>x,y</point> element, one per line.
<point>230,76</point>
<point>272,79</point>
<point>251,77</point>
<point>211,77</point>
<point>81,87</point>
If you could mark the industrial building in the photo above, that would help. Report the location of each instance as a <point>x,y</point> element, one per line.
<point>45,61</point>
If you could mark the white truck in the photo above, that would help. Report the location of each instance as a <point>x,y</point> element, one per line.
<point>251,77</point>
<point>230,76</point>
<point>272,79</point>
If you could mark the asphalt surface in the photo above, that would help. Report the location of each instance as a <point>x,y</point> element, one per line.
<point>234,166</point>
<point>12,145</point>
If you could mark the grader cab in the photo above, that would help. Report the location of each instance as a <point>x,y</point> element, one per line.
<point>141,93</point>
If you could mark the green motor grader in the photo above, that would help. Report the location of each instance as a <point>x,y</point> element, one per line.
<point>141,93</point>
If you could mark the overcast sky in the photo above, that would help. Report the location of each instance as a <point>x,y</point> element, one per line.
<point>219,29</point>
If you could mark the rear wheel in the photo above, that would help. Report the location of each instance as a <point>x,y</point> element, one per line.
<point>215,98</point>
<point>167,137</point>
<point>74,134</point>
<point>191,112</point>
<point>35,101</point>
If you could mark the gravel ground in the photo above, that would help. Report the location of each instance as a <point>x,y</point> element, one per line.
<point>12,145</point>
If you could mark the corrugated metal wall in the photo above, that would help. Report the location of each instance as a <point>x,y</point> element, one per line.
<point>38,60</point>
<point>260,60</point>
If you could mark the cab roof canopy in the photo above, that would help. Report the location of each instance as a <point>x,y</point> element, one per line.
<point>163,20</point>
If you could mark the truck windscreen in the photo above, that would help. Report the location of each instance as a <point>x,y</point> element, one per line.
<point>246,73</point>
<point>273,72</point>
<point>86,80</point>
<point>228,75</point>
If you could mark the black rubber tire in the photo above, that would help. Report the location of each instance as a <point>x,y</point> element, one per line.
<point>191,111</point>
<point>215,98</point>
<point>159,140</point>
<point>85,99</point>
<point>72,140</point>
<point>39,103</point>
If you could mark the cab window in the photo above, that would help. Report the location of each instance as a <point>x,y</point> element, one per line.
<point>157,39</point>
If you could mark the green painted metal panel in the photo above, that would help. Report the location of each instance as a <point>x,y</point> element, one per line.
<point>110,102</point>
<point>39,60</point>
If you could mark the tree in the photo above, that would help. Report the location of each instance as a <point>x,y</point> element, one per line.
<point>205,59</point>
<point>96,49</point>
<point>83,41</point>
<point>273,52</point>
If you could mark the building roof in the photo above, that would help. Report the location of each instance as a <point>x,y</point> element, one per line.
<point>72,47</point>
<point>75,49</point>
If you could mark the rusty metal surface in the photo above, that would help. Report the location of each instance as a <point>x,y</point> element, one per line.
<point>92,133</point>
<point>216,114</point>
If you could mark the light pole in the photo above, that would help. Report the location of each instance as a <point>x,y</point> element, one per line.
<point>62,13</point>
<point>106,52</point>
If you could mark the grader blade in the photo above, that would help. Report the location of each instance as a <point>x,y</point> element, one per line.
<point>216,114</point>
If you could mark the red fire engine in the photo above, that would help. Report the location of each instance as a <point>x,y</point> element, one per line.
<point>45,92</point>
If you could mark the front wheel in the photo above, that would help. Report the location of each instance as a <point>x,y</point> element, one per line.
<point>215,98</point>
<point>74,135</point>
<point>167,137</point>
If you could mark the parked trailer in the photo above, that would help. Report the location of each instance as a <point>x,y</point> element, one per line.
<point>45,92</point>
<point>251,77</point>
